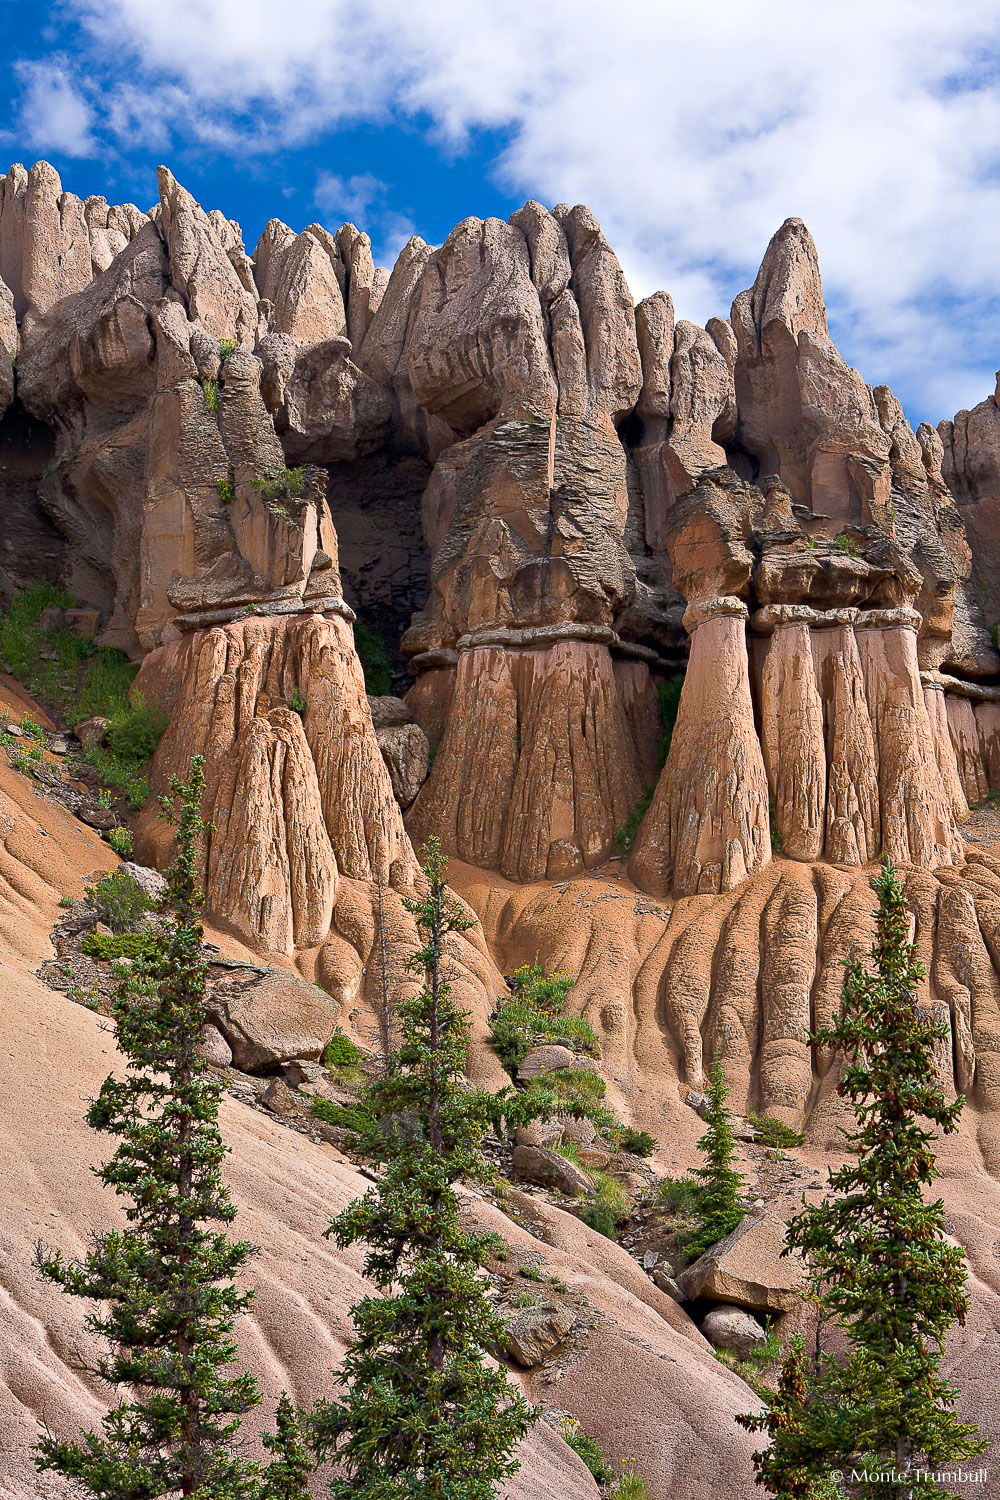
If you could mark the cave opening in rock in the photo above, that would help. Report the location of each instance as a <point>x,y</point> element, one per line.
<point>375,503</point>
<point>31,548</point>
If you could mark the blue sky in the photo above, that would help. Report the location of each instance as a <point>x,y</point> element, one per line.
<point>692,132</point>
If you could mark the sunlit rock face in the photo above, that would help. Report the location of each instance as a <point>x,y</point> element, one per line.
<point>554,505</point>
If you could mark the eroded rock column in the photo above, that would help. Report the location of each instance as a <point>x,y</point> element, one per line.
<point>707,828</point>
<point>791,715</point>
<point>297,798</point>
<point>853,818</point>
<point>944,750</point>
<point>537,766</point>
<point>918,823</point>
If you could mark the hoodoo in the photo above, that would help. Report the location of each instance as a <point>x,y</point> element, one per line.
<point>667,633</point>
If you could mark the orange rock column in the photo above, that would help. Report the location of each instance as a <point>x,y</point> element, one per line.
<point>964,734</point>
<point>707,828</point>
<point>944,750</point>
<point>853,821</point>
<point>918,823</point>
<point>297,801</point>
<point>988,724</point>
<point>537,766</point>
<point>791,715</point>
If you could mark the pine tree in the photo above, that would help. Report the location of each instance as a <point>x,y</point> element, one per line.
<point>876,1256</point>
<point>721,1205</point>
<point>165,1280</point>
<point>424,1415</point>
<point>287,1475</point>
<point>789,1467</point>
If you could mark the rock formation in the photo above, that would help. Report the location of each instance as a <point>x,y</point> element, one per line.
<point>556,508</point>
<point>552,503</point>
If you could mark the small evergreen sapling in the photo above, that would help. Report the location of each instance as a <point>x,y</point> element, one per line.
<point>166,1281</point>
<point>424,1416</point>
<point>286,1477</point>
<point>720,1201</point>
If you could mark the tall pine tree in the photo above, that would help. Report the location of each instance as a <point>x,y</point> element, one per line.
<point>877,1259</point>
<point>424,1416</point>
<point>165,1281</point>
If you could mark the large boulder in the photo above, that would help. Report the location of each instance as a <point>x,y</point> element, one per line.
<point>548,1169</point>
<point>545,1059</point>
<point>748,1268</point>
<point>533,1331</point>
<point>734,1329</point>
<point>276,1020</point>
<point>406,751</point>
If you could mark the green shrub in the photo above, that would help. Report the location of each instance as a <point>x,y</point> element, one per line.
<point>105,684</point>
<point>341,1052</point>
<point>536,1011</point>
<point>135,730</point>
<point>211,389</point>
<point>607,1207</point>
<point>226,348</point>
<point>30,727</point>
<point>130,780</point>
<point>119,901</point>
<point>637,1142</point>
<point>297,703</point>
<point>773,1132</point>
<point>347,1116</point>
<point>587,1448</point>
<point>843,543</point>
<point>749,1369</point>
<point>121,945</point>
<point>20,758</point>
<point>374,660</point>
<point>48,663</point>
<point>67,900</point>
<point>625,835</point>
<point>21,642</point>
<point>523,1299</point>
<point>680,1195</point>
<point>121,842</point>
<point>279,481</point>
<point>515,1026</point>
<point>575,1090</point>
<point>629,1485</point>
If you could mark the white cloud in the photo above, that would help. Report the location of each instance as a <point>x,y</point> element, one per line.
<point>339,198</point>
<point>692,132</point>
<point>363,200</point>
<point>54,116</point>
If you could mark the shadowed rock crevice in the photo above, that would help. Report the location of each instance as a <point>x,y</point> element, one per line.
<point>31,546</point>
